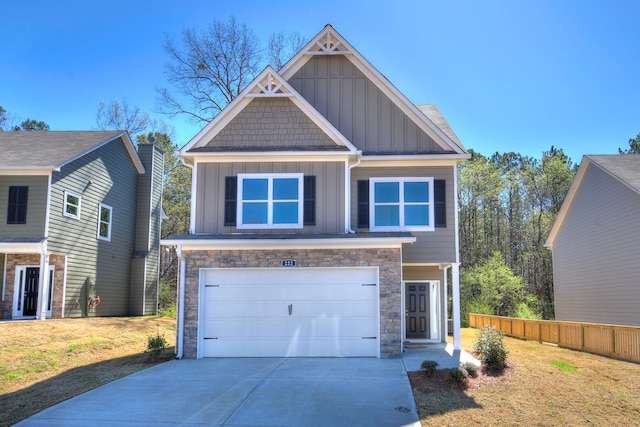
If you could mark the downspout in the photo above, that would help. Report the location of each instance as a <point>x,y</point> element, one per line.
<point>182,263</point>
<point>347,193</point>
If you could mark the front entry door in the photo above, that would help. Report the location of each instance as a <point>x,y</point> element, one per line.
<point>30,302</point>
<point>417,310</point>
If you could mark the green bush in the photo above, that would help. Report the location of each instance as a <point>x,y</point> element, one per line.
<point>470,367</point>
<point>156,345</point>
<point>525,311</point>
<point>168,311</point>
<point>166,295</point>
<point>490,345</point>
<point>458,374</point>
<point>429,367</point>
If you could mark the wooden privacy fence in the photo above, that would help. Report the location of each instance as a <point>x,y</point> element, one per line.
<point>620,342</point>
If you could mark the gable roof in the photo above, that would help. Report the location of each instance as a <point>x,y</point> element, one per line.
<point>50,150</point>
<point>330,42</point>
<point>268,84</point>
<point>624,168</point>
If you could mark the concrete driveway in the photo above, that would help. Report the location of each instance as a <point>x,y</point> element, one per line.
<point>246,392</point>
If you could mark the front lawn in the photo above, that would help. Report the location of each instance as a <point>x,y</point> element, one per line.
<point>45,362</point>
<point>543,385</point>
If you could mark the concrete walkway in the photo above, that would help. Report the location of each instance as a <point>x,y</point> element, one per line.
<point>246,392</point>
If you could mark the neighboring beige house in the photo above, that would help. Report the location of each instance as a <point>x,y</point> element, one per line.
<point>323,220</point>
<point>85,207</point>
<point>596,243</point>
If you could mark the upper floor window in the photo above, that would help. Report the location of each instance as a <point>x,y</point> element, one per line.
<point>17,206</point>
<point>401,204</point>
<point>71,206</point>
<point>270,200</point>
<point>105,220</point>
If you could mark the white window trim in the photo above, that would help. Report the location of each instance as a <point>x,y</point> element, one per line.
<point>372,204</point>
<point>100,207</point>
<point>270,201</point>
<point>65,204</point>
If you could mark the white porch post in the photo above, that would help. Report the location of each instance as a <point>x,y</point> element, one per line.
<point>43,283</point>
<point>455,279</point>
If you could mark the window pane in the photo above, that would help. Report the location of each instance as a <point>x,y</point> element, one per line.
<point>416,215</point>
<point>104,229</point>
<point>416,192</point>
<point>72,200</point>
<point>72,210</point>
<point>105,215</point>
<point>387,216</point>
<point>387,192</point>
<point>255,189</point>
<point>254,213</point>
<point>285,189</point>
<point>285,213</point>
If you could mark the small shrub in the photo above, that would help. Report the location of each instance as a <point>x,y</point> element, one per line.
<point>429,367</point>
<point>470,367</point>
<point>458,374</point>
<point>169,311</point>
<point>490,345</point>
<point>156,345</point>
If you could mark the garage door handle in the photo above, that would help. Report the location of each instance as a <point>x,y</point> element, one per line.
<point>290,309</point>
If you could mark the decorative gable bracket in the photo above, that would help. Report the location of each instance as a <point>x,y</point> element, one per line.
<point>269,86</point>
<point>328,44</point>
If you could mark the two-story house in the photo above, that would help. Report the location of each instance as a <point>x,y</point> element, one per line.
<point>323,217</point>
<point>79,225</point>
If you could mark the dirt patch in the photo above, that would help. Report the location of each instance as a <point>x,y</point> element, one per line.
<point>441,380</point>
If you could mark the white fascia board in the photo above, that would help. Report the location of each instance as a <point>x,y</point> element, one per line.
<point>381,82</point>
<point>567,202</point>
<point>20,248</point>
<point>272,156</point>
<point>27,170</point>
<point>413,160</point>
<point>265,244</point>
<point>438,265</point>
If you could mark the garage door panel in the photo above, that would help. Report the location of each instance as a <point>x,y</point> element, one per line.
<point>289,348</point>
<point>299,312</point>
<point>306,328</point>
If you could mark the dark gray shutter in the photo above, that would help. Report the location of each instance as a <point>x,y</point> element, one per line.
<point>230,200</point>
<point>363,203</point>
<point>309,200</point>
<point>17,206</point>
<point>440,202</point>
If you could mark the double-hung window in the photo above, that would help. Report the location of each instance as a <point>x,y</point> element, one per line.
<point>401,204</point>
<point>71,206</point>
<point>270,200</point>
<point>105,220</point>
<point>17,206</point>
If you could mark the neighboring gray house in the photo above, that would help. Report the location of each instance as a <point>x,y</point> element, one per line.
<point>596,243</point>
<point>324,216</point>
<point>84,207</point>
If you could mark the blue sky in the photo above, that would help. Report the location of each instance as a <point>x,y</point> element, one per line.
<point>509,75</point>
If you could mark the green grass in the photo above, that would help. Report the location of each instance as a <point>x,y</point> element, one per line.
<point>564,366</point>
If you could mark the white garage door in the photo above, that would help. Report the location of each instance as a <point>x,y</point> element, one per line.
<point>297,312</point>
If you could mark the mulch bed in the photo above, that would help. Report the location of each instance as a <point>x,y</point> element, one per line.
<point>441,379</point>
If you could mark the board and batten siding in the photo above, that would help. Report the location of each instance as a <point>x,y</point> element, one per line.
<point>209,215</point>
<point>36,205</point>
<point>106,175</point>
<point>595,254</point>
<point>357,108</point>
<point>431,246</point>
<point>271,123</point>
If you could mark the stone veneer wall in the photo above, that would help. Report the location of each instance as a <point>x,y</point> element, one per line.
<point>14,260</point>
<point>387,259</point>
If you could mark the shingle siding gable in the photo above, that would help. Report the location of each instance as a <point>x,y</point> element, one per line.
<point>271,122</point>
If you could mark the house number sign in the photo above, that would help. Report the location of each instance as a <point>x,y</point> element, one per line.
<point>288,263</point>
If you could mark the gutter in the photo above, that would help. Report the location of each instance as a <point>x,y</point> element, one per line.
<point>180,315</point>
